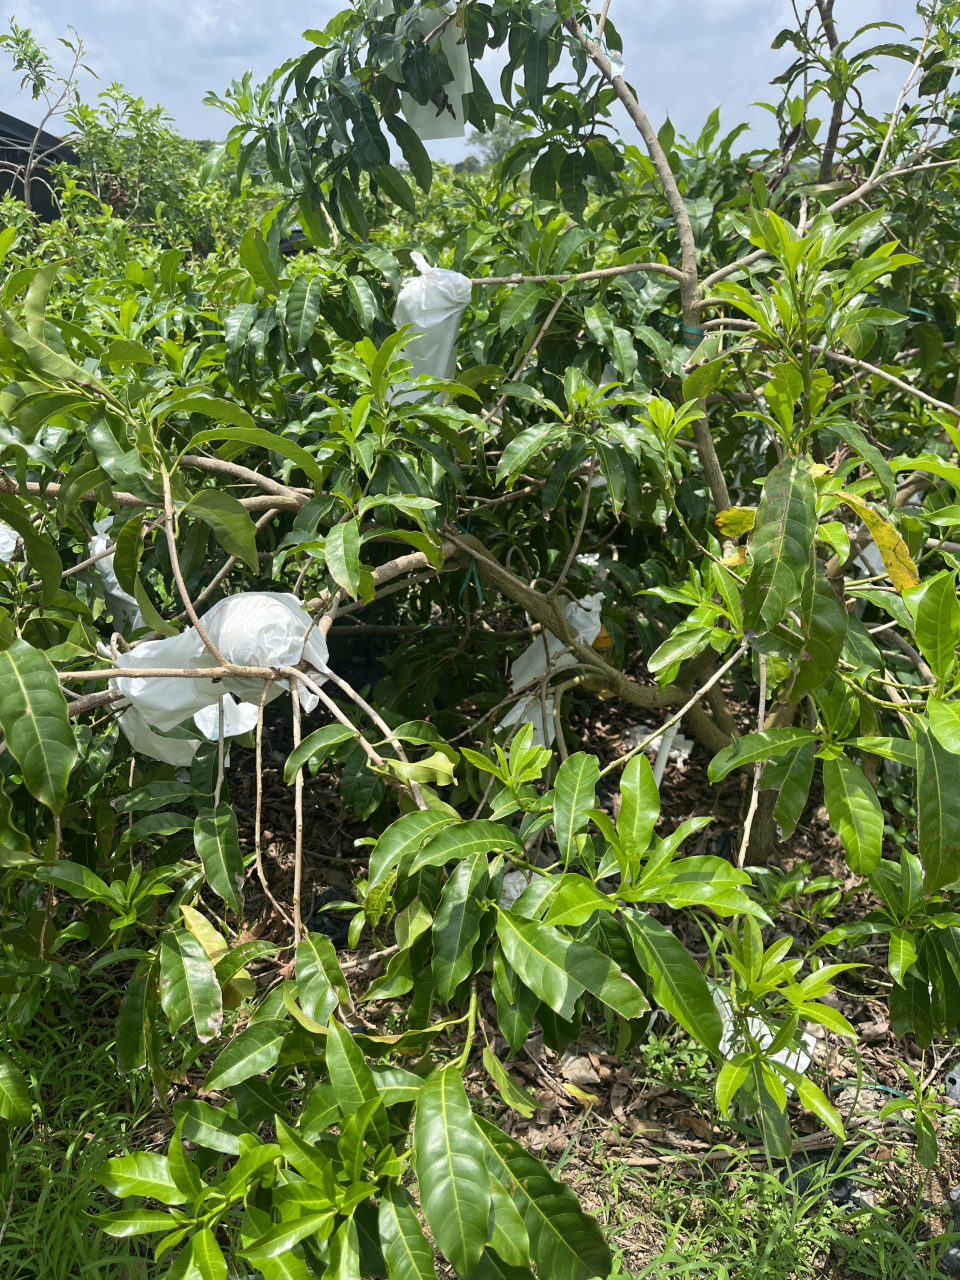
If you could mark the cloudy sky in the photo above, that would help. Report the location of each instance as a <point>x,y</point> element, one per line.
<point>685,57</point>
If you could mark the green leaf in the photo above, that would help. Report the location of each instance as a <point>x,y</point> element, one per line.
<point>565,1243</point>
<point>188,985</point>
<point>945,723</point>
<point>350,1075</point>
<point>517,311</point>
<point>536,69</point>
<point>395,186</point>
<point>414,152</point>
<point>77,880</point>
<point>757,746</point>
<point>247,433</point>
<point>404,837</point>
<point>678,983</point>
<point>574,789</point>
<point>408,1253</point>
<point>476,835</point>
<point>855,813</point>
<point>530,443</point>
<point>791,775</point>
<point>207,1255</point>
<point>780,543</point>
<point>150,615</point>
<point>639,806</point>
<point>824,630</point>
<point>320,983</point>
<point>307,1159</point>
<point>126,558</point>
<point>538,954</point>
<point>132,1222</point>
<point>43,359</point>
<point>37,729</point>
<point>513,1094</point>
<point>451,1173</point>
<point>937,626</point>
<point>814,1100</point>
<point>342,551</point>
<point>902,953</point>
<point>255,257</point>
<point>143,1174</point>
<point>15,1105</point>
<point>303,310</point>
<point>575,899</point>
<point>255,1050</point>
<point>218,844</point>
<point>230,522</point>
<point>938,812</point>
<point>280,1239</point>
<point>729,1079</point>
<point>209,1126</point>
<point>40,554</point>
<point>315,746</point>
<point>456,926</point>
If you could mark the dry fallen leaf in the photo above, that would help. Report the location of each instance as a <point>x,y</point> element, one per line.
<point>702,1128</point>
<point>579,1070</point>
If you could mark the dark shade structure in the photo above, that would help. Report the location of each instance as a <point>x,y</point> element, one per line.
<point>16,139</point>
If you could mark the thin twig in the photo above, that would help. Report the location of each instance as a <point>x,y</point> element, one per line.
<point>220,736</point>
<point>528,356</point>
<point>674,719</point>
<point>601,273</point>
<point>298,813</point>
<point>178,575</point>
<point>757,768</point>
<point>575,546</point>
<point>256,832</point>
<point>382,726</point>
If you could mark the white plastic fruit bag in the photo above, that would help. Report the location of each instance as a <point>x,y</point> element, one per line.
<point>8,542</point>
<point>433,302</point>
<point>584,617</point>
<point>430,121</point>
<point>254,628</point>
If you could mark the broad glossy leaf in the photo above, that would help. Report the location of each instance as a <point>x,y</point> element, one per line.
<point>36,727</point>
<point>15,1105</point>
<point>678,983</point>
<point>133,1222</point>
<point>316,745</point>
<point>791,775</point>
<point>513,1094</point>
<point>729,1079</point>
<point>574,797</point>
<point>143,1174</point>
<point>575,899</point>
<point>780,543</point>
<point>565,1242</point>
<point>824,629</point>
<point>208,1256</point>
<point>320,982</point>
<point>209,1126</point>
<point>188,985</point>
<point>350,1075</point>
<point>756,746</point>
<point>307,1159</point>
<point>342,551</point>
<point>77,880</point>
<point>855,813</point>
<point>245,432</point>
<point>477,835</point>
<point>218,844</point>
<point>302,310</point>
<point>937,625</point>
<point>281,1238</point>
<point>230,522</point>
<point>451,1172</point>
<point>938,812</point>
<point>255,1050</point>
<point>403,837</point>
<point>639,806</point>
<point>902,953</point>
<point>945,722</point>
<point>414,152</point>
<point>456,925</point>
<point>538,955</point>
<point>408,1253</point>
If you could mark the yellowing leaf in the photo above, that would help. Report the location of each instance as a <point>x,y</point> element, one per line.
<point>585,1099</point>
<point>735,521</point>
<point>212,942</point>
<point>896,558</point>
<point>738,558</point>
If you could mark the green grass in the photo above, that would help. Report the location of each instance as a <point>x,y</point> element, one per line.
<point>85,1111</point>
